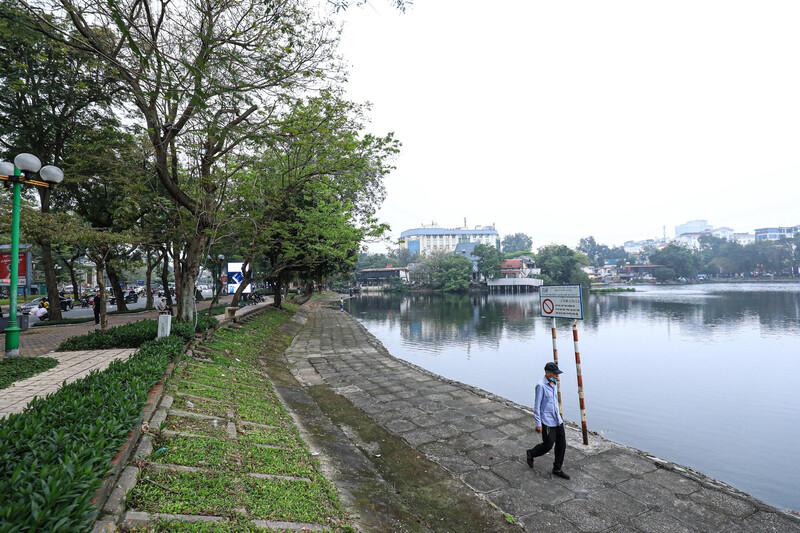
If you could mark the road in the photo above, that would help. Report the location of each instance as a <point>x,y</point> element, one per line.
<point>81,312</point>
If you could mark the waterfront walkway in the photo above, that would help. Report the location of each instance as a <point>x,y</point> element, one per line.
<point>480,440</point>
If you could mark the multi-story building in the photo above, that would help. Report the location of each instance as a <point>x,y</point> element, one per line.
<point>743,238</point>
<point>775,234</point>
<point>434,238</point>
<point>693,226</point>
<point>692,240</point>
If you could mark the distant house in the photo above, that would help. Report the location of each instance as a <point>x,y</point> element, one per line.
<point>520,267</point>
<point>627,272</point>
<point>376,277</point>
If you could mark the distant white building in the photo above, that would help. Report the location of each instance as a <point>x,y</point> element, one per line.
<point>434,238</point>
<point>636,247</point>
<point>743,238</point>
<point>777,233</point>
<point>693,226</point>
<point>692,240</point>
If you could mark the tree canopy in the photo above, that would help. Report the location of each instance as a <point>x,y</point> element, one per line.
<point>518,242</point>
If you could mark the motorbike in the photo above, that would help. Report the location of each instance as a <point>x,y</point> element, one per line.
<point>86,301</point>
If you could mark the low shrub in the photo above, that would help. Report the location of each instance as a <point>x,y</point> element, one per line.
<point>132,335</point>
<point>17,368</point>
<point>55,455</point>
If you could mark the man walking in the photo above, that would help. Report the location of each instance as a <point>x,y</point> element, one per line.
<point>548,421</point>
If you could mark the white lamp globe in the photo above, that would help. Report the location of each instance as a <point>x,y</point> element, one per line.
<point>51,174</point>
<point>28,162</point>
<point>6,169</point>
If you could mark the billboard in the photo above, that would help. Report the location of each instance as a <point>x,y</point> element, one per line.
<point>23,272</point>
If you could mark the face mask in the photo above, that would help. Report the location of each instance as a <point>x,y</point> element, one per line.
<point>552,380</point>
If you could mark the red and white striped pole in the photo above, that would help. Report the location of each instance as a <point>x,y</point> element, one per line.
<point>580,382</point>
<point>555,360</point>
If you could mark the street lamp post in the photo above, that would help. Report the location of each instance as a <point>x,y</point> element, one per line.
<point>23,170</point>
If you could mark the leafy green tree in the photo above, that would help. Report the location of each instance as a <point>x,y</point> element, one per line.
<point>205,79</point>
<point>49,94</point>
<point>490,261</point>
<point>373,261</point>
<point>679,258</point>
<point>402,257</point>
<point>309,201</point>
<point>452,273</point>
<point>562,266</point>
<point>518,242</point>
<point>664,274</point>
<point>600,254</point>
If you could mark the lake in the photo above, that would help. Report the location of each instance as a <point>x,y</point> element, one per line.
<point>702,375</point>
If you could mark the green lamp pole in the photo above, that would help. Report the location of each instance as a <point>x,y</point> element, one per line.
<point>23,170</point>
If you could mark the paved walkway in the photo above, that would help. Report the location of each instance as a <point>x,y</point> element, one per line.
<point>481,440</point>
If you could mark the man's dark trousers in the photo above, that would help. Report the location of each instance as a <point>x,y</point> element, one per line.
<point>552,435</point>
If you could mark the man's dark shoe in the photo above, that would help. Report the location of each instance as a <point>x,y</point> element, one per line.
<point>560,473</point>
<point>529,458</point>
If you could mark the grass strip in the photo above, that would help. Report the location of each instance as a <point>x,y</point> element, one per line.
<point>226,494</point>
<point>18,368</point>
<point>225,370</point>
<point>220,454</point>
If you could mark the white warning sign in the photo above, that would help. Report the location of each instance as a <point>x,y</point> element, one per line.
<point>561,301</point>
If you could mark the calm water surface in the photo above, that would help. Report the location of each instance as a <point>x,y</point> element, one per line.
<point>702,375</point>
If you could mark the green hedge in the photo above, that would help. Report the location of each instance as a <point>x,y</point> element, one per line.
<point>55,455</point>
<point>133,334</point>
<point>17,368</point>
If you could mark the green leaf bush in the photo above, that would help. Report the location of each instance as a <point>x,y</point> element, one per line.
<point>133,334</point>
<point>17,368</point>
<point>55,455</point>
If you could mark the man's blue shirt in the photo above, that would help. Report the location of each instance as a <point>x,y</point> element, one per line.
<point>545,406</point>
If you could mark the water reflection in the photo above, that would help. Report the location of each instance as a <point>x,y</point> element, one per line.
<point>461,319</point>
<point>653,361</point>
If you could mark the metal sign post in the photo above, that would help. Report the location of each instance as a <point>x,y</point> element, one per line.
<point>555,360</point>
<point>566,301</point>
<point>584,429</point>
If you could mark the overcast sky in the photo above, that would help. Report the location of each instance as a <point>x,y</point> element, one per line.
<point>568,119</point>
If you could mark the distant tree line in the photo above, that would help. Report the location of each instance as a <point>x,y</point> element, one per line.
<point>714,257</point>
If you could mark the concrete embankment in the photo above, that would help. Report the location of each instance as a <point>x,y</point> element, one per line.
<point>412,451</point>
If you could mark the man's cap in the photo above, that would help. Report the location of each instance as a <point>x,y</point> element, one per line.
<point>552,367</point>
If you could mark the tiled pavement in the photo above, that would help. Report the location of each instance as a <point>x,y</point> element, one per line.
<point>481,440</point>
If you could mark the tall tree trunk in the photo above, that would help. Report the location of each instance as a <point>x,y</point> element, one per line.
<point>276,291</point>
<point>186,276</point>
<point>217,286</point>
<point>103,296</point>
<point>74,279</point>
<point>119,294</point>
<point>247,276</point>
